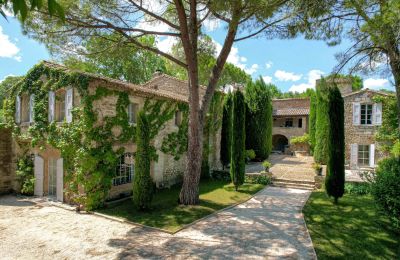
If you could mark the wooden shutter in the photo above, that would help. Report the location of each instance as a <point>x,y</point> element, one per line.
<point>31,108</point>
<point>356,114</point>
<point>354,155</point>
<point>38,171</point>
<point>60,179</point>
<point>52,98</point>
<point>130,113</point>
<point>378,114</point>
<point>18,109</point>
<point>372,155</point>
<point>68,105</point>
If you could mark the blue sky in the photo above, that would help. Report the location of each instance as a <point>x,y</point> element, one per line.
<point>290,64</point>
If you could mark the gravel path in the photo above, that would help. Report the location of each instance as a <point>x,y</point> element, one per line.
<point>269,225</point>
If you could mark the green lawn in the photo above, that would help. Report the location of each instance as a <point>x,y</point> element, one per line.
<point>167,214</point>
<point>353,229</point>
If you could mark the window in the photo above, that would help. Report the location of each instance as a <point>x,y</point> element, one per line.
<point>125,170</point>
<point>25,108</point>
<point>132,112</point>
<point>52,177</point>
<point>363,155</point>
<point>178,118</point>
<point>289,122</point>
<point>60,106</point>
<point>366,114</point>
<point>300,122</point>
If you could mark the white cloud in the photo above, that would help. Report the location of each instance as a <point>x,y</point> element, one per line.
<point>282,75</point>
<point>267,79</point>
<point>312,76</point>
<point>9,75</point>
<point>212,24</point>
<point>7,12</point>
<point>7,48</point>
<point>268,64</point>
<point>372,83</point>
<point>165,44</point>
<point>252,69</point>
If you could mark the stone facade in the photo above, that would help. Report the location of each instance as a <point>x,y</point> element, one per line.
<point>8,181</point>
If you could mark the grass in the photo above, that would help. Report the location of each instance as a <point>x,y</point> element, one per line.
<point>352,229</point>
<point>167,214</point>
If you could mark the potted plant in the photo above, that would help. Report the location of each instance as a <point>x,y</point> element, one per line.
<point>318,168</point>
<point>266,164</point>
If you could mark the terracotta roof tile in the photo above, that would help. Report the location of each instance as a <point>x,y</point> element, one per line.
<point>291,112</point>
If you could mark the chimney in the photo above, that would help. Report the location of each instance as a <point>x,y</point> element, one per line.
<point>344,84</point>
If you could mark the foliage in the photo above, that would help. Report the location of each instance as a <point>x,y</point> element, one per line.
<point>304,139</point>
<point>386,188</point>
<point>258,118</point>
<point>259,179</point>
<point>362,188</point>
<point>334,181</point>
<point>396,149</point>
<point>266,164</point>
<point>225,150</point>
<point>221,175</point>
<point>389,132</point>
<point>312,120</point>
<point>321,148</point>
<point>6,86</point>
<point>238,139</point>
<point>167,214</point>
<point>352,229</point>
<point>316,166</point>
<point>25,174</point>
<point>22,7</point>
<point>142,182</point>
<point>250,155</point>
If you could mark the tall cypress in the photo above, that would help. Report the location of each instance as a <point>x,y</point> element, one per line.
<point>225,155</point>
<point>312,119</point>
<point>238,140</point>
<point>334,182</point>
<point>321,148</point>
<point>142,182</point>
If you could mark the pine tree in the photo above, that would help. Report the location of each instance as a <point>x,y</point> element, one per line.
<point>225,149</point>
<point>321,148</point>
<point>312,120</point>
<point>238,140</point>
<point>142,182</point>
<point>334,182</point>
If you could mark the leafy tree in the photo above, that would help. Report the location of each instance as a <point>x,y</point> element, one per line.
<point>181,21</point>
<point>6,85</point>
<point>258,118</point>
<point>312,120</point>
<point>334,182</point>
<point>238,148</point>
<point>321,148</point>
<point>142,182</point>
<point>22,7</point>
<point>225,150</point>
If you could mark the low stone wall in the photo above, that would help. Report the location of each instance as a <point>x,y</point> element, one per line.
<point>7,176</point>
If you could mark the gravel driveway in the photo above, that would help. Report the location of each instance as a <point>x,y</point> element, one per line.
<point>269,225</point>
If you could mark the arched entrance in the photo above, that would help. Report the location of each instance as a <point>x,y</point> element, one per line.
<point>279,142</point>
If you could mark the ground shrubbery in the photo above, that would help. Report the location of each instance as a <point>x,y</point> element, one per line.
<point>258,179</point>
<point>386,188</point>
<point>362,188</point>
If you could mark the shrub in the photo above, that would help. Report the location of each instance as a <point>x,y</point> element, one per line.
<point>250,155</point>
<point>221,175</point>
<point>386,188</point>
<point>312,119</point>
<point>304,139</point>
<point>25,174</point>
<point>143,187</point>
<point>266,164</point>
<point>361,188</point>
<point>238,140</point>
<point>259,179</point>
<point>226,134</point>
<point>322,124</point>
<point>334,181</point>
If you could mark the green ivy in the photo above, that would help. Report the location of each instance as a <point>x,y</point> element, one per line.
<point>25,174</point>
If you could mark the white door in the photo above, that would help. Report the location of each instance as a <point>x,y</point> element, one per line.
<point>39,167</point>
<point>60,179</point>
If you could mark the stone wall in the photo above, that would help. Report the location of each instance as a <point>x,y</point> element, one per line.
<point>7,175</point>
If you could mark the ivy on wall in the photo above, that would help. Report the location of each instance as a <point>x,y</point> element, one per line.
<point>85,144</point>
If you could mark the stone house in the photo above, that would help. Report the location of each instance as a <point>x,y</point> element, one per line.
<point>290,119</point>
<point>60,104</point>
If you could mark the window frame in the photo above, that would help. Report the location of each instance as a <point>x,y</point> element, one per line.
<point>60,106</point>
<point>287,120</point>
<point>133,109</point>
<point>363,156</point>
<point>25,108</point>
<point>178,118</point>
<point>367,107</point>
<point>124,172</point>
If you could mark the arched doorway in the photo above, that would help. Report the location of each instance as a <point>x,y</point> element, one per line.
<point>279,142</point>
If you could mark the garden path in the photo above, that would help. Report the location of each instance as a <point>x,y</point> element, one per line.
<point>270,225</point>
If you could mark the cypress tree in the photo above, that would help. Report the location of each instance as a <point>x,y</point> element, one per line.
<point>238,140</point>
<point>142,182</point>
<point>225,155</point>
<point>334,182</point>
<point>312,119</point>
<point>258,118</point>
<point>321,148</point>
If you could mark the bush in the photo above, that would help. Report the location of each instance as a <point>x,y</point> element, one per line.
<point>143,187</point>
<point>304,139</point>
<point>266,164</point>
<point>361,188</point>
<point>259,179</point>
<point>221,175</point>
<point>250,155</point>
<point>386,188</point>
<point>25,174</point>
<point>312,119</point>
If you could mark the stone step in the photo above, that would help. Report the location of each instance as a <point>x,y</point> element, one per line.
<point>295,184</point>
<point>293,181</point>
<point>292,186</point>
